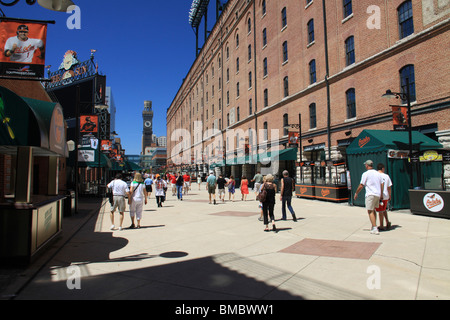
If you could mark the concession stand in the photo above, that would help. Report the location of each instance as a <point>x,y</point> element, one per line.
<point>430,197</point>
<point>322,179</point>
<point>391,148</point>
<point>32,142</point>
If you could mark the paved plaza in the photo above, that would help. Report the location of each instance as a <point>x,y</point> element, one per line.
<point>193,250</point>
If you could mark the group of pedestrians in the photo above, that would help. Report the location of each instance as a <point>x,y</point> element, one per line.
<point>137,194</point>
<point>265,191</point>
<point>377,185</point>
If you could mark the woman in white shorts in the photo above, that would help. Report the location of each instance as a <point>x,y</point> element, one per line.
<point>138,195</point>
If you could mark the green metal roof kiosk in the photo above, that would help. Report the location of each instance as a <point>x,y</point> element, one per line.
<point>390,148</point>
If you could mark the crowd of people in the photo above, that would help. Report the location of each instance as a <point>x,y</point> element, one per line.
<point>376,182</point>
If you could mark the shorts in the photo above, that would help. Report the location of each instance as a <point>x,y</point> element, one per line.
<point>257,187</point>
<point>372,202</point>
<point>383,206</point>
<point>221,191</point>
<point>148,188</point>
<point>211,189</point>
<point>119,202</point>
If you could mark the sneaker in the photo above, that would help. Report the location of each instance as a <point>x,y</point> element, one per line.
<point>112,227</point>
<point>374,230</point>
<point>214,201</point>
<point>120,228</point>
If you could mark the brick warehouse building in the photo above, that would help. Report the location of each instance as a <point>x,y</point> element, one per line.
<point>267,62</point>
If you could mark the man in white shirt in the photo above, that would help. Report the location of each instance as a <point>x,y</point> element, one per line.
<point>373,183</point>
<point>120,190</point>
<point>382,209</point>
<point>21,48</point>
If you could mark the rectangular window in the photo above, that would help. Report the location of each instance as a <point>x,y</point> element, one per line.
<point>312,116</point>
<point>347,8</point>
<point>350,50</point>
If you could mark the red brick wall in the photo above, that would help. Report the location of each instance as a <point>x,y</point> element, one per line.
<point>380,55</point>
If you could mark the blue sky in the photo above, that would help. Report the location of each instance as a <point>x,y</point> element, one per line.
<point>144,47</point>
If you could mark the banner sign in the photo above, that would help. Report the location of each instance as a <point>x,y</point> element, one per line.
<point>86,155</point>
<point>293,138</point>
<point>106,145</point>
<point>400,118</point>
<point>22,46</point>
<point>88,124</point>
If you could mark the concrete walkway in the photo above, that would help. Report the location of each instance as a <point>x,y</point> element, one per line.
<point>193,250</point>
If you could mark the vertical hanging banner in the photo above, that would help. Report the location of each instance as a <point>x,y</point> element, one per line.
<point>22,44</point>
<point>88,124</point>
<point>400,118</point>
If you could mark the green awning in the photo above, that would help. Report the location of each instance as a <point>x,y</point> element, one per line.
<point>289,154</point>
<point>117,166</point>
<point>370,141</point>
<point>32,123</point>
<point>131,166</point>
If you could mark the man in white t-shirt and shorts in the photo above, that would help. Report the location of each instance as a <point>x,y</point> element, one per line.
<point>373,182</point>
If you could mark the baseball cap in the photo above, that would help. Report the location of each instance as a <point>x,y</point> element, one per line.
<point>369,163</point>
<point>22,28</point>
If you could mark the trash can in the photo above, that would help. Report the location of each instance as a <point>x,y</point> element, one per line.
<point>69,203</point>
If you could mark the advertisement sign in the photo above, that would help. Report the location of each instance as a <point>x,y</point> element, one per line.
<point>86,155</point>
<point>293,138</point>
<point>22,46</point>
<point>88,124</point>
<point>106,145</point>
<point>400,118</point>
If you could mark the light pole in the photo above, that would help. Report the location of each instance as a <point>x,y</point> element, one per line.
<point>405,96</point>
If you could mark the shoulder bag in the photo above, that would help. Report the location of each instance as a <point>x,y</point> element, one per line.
<point>263,194</point>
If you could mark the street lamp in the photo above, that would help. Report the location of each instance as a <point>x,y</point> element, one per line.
<point>299,127</point>
<point>55,5</point>
<point>405,96</point>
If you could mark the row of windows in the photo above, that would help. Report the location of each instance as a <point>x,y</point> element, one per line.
<point>406,27</point>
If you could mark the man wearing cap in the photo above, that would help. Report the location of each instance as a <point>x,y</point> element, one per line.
<point>373,183</point>
<point>20,48</point>
<point>211,183</point>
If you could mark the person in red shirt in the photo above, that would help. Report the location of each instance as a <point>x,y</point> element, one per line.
<point>173,181</point>
<point>187,182</point>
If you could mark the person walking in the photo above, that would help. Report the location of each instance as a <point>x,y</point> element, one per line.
<point>187,182</point>
<point>244,188</point>
<point>211,183</point>
<point>268,203</point>
<point>257,179</point>
<point>119,190</point>
<point>373,182</point>
<point>160,186</point>
<point>231,188</point>
<point>179,184</point>
<point>148,185</point>
<point>221,187</point>
<point>260,203</point>
<point>382,209</point>
<point>287,186</point>
<point>138,196</point>
<point>199,181</point>
<point>173,181</point>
